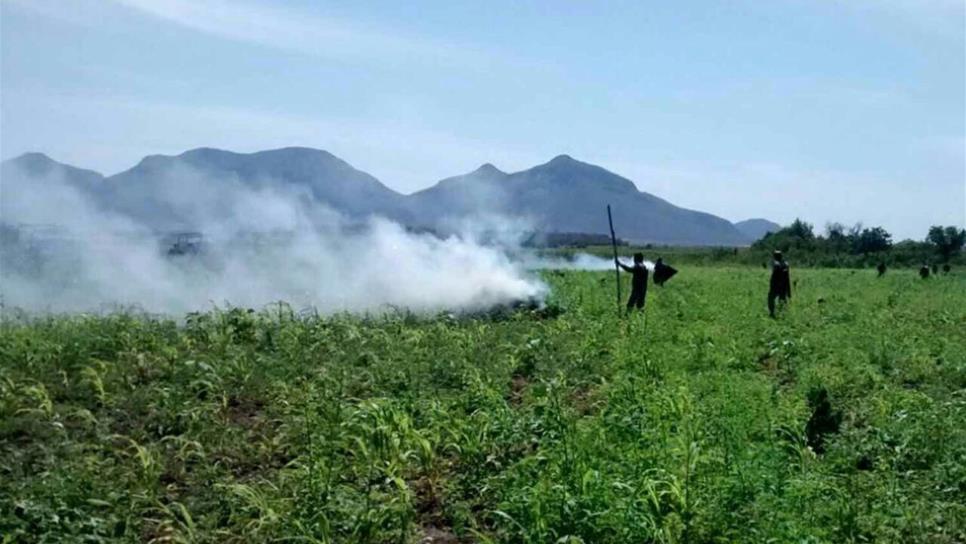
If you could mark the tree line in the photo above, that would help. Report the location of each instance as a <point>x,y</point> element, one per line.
<point>860,246</point>
<point>837,247</point>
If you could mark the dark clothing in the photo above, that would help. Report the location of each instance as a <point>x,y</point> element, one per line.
<point>780,282</point>
<point>771,302</point>
<point>780,285</point>
<point>639,280</point>
<point>638,284</point>
<point>882,269</point>
<point>663,272</point>
<point>636,300</point>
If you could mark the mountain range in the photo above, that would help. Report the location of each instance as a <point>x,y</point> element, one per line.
<point>562,195</point>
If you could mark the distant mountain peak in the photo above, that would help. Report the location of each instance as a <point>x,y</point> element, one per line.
<point>566,170</point>
<point>297,151</point>
<point>33,156</point>
<point>567,163</point>
<point>35,163</point>
<point>563,159</point>
<point>208,153</point>
<point>488,170</point>
<point>563,162</point>
<point>311,173</point>
<point>213,157</point>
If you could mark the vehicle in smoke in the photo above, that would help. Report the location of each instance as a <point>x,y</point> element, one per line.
<point>184,243</point>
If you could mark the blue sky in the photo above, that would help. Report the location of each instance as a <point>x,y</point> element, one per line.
<point>822,109</point>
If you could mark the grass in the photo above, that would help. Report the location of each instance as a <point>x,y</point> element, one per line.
<point>688,426</point>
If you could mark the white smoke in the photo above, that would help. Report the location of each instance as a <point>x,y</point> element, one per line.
<point>577,261</point>
<point>261,246</point>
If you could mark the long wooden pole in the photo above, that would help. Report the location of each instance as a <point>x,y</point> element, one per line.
<point>617,269</point>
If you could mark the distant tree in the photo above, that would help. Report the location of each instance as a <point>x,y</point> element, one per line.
<point>948,241</point>
<point>834,230</point>
<point>798,235</point>
<point>836,239</point>
<point>801,230</point>
<point>855,230</point>
<point>871,241</point>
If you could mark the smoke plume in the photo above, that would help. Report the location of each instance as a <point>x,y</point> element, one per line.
<point>65,249</point>
<point>577,261</point>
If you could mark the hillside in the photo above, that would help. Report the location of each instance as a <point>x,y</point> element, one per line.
<point>161,188</point>
<point>566,195</point>
<point>755,229</point>
<point>33,166</point>
<point>562,195</point>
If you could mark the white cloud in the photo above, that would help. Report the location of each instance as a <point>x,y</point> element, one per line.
<point>303,33</point>
<point>270,26</point>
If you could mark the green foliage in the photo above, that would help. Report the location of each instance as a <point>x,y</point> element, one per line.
<point>871,241</point>
<point>798,235</point>
<point>839,247</point>
<point>686,425</point>
<point>948,241</point>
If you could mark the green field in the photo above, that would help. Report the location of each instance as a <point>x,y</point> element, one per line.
<point>688,425</point>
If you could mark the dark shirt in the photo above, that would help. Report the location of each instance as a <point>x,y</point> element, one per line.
<point>639,280</point>
<point>780,281</point>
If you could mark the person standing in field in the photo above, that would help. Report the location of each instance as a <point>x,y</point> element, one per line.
<point>780,285</point>
<point>638,282</point>
<point>882,269</point>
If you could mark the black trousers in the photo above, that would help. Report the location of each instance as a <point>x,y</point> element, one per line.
<point>636,299</point>
<point>772,295</point>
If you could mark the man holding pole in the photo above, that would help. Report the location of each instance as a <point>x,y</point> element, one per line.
<point>638,281</point>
